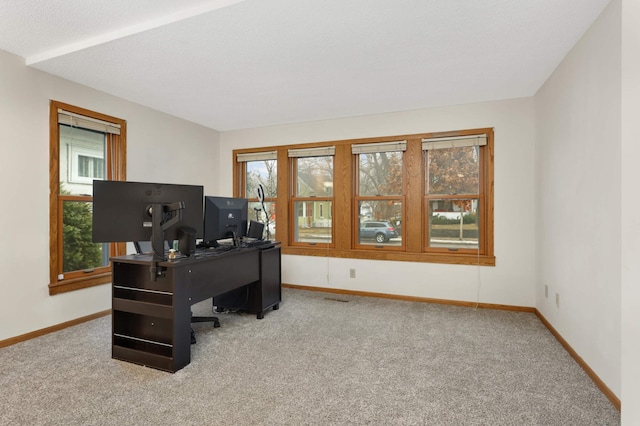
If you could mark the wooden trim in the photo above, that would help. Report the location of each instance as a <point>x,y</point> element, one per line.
<point>592,375</point>
<point>54,190</point>
<point>79,283</point>
<point>53,328</point>
<point>116,170</point>
<point>349,142</point>
<point>239,172</point>
<point>385,254</point>
<point>342,194</point>
<point>282,206</point>
<point>486,233</point>
<point>86,112</point>
<point>413,181</point>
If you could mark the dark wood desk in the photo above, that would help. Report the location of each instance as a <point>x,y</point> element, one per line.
<point>152,318</point>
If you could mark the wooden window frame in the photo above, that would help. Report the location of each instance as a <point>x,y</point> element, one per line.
<point>344,221</point>
<point>357,244</point>
<point>240,185</point>
<point>295,198</point>
<point>116,170</point>
<point>485,175</point>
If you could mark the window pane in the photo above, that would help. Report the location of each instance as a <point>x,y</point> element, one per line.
<point>263,172</point>
<point>453,224</point>
<point>380,173</point>
<point>380,222</point>
<point>90,167</point>
<point>314,176</point>
<point>79,251</point>
<point>257,213</point>
<point>312,221</point>
<point>453,171</point>
<point>81,159</point>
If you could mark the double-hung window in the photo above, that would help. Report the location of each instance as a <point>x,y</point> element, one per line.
<point>312,200</point>
<point>379,200</point>
<point>424,197</point>
<point>454,200</point>
<point>259,183</point>
<point>84,146</point>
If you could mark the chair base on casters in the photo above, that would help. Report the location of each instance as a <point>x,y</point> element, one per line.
<point>215,320</point>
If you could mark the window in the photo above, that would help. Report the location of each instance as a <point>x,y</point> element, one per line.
<point>380,196</point>
<point>89,167</point>
<point>259,178</point>
<point>312,199</point>
<point>453,193</point>
<point>84,146</point>
<point>421,198</point>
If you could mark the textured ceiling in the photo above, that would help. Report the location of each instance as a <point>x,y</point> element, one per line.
<point>237,64</point>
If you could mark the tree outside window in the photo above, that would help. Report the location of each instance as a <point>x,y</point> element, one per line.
<point>453,194</point>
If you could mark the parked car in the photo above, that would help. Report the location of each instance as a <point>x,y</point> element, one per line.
<point>381,231</point>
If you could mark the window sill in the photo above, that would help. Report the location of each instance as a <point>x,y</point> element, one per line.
<point>453,259</point>
<point>79,283</point>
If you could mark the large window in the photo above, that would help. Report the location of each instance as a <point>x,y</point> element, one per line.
<point>422,198</point>
<point>84,146</point>
<point>379,197</point>
<point>453,196</point>
<point>312,195</point>
<point>259,184</point>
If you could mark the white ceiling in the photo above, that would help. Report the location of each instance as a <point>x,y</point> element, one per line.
<point>233,64</point>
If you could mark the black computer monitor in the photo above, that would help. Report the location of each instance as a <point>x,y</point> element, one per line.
<point>124,211</point>
<point>224,218</point>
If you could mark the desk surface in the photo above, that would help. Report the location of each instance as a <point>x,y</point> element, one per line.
<point>200,253</point>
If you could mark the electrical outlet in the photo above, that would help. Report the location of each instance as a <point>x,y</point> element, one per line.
<point>352,273</point>
<point>546,291</point>
<point>558,300</point>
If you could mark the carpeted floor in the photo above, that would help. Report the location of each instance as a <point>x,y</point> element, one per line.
<point>320,359</point>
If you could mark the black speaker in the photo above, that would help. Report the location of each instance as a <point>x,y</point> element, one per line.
<point>187,240</point>
<point>256,229</point>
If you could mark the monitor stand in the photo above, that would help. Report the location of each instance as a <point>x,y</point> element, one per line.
<point>158,226</point>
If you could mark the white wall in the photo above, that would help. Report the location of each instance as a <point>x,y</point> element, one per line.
<point>510,282</point>
<point>579,128</point>
<point>578,197</point>
<point>160,148</point>
<point>630,212</point>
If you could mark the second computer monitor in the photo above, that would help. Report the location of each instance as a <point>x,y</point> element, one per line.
<point>224,218</point>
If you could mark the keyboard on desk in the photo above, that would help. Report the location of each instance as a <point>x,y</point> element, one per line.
<point>256,243</point>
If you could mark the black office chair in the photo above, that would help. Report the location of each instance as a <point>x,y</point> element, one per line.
<point>143,247</point>
<point>215,320</point>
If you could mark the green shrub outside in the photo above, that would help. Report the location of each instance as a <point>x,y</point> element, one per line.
<point>80,252</point>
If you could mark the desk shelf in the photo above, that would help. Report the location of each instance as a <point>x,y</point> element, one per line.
<point>152,314</point>
<point>145,330</point>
